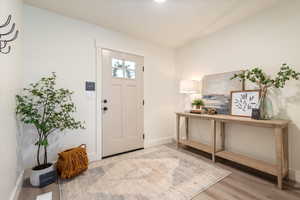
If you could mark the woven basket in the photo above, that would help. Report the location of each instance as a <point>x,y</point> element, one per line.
<point>72,162</point>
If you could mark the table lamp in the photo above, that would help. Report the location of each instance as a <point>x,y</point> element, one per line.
<point>189,87</point>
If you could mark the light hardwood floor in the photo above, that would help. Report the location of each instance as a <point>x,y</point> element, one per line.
<point>242,184</point>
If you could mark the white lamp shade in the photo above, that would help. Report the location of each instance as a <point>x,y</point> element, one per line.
<point>189,87</point>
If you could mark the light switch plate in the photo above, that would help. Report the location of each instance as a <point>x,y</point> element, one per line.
<point>90,86</point>
<point>46,196</point>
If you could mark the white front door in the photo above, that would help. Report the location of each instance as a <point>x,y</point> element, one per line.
<point>122,102</point>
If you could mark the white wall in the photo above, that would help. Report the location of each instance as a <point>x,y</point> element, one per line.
<point>267,40</point>
<point>10,69</point>
<point>67,46</point>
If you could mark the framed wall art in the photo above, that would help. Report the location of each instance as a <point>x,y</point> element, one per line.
<point>216,90</point>
<point>242,102</point>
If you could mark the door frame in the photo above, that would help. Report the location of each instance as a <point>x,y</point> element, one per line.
<point>99,68</point>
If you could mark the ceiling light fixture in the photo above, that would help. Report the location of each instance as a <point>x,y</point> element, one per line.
<point>160,1</point>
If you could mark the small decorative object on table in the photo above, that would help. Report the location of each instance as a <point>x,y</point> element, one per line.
<point>72,162</point>
<point>49,110</point>
<point>211,111</point>
<point>264,82</point>
<point>198,103</point>
<point>205,110</point>
<point>202,111</point>
<point>255,113</point>
<point>242,102</point>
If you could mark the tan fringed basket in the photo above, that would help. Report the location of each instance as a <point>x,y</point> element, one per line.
<point>72,162</point>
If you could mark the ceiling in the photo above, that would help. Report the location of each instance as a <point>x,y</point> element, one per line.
<point>173,23</point>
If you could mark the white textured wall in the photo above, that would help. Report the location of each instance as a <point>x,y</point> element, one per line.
<point>267,40</point>
<point>10,70</point>
<point>67,46</point>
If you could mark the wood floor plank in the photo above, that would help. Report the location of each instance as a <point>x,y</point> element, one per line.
<point>204,196</point>
<point>244,192</point>
<point>218,192</point>
<point>263,188</point>
<point>30,193</point>
<point>241,187</point>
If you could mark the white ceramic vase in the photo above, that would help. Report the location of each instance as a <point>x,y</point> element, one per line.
<point>35,175</point>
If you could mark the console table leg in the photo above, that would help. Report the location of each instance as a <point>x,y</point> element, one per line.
<point>213,134</point>
<point>222,132</point>
<point>187,127</point>
<point>279,155</point>
<point>177,130</point>
<point>286,151</point>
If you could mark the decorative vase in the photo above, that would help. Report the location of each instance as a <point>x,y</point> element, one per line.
<point>265,107</point>
<point>262,109</point>
<point>262,104</point>
<point>39,178</point>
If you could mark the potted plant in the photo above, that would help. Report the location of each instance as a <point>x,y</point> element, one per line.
<point>198,103</point>
<point>264,82</point>
<point>49,110</point>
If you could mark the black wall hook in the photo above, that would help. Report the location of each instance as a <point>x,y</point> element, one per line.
<point>5,38</point>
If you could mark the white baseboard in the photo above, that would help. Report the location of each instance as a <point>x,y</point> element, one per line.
<point>160,141</point>
<point>93,157</point>
<point>294,175</point>
<point>15,193</point>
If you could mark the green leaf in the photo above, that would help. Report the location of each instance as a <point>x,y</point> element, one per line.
<point>45,142</point>
<point>258,76</point>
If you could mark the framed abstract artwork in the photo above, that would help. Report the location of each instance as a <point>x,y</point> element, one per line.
<point>242,102</point>
<point>216,89</point>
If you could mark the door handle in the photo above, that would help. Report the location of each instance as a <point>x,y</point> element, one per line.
<point>104,108</point>
<point>104,101</point>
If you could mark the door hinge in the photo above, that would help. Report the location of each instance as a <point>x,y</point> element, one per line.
<point>143,68</point>
<point>143,136</point>
<point>143,102</point>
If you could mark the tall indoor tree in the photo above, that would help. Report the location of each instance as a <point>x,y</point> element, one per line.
<point>49,110</point>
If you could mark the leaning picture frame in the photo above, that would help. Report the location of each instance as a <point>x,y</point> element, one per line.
<point>242,102</point>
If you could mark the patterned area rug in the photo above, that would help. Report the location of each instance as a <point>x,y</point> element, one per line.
<point>158,173</point>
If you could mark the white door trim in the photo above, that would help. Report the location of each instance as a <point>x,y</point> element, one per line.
<point>99,132</point>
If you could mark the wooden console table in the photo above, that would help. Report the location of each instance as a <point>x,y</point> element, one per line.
<point>280,169</point>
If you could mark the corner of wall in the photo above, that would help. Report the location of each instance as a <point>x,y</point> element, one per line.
<point>17,189</point>
<point>160,141</point>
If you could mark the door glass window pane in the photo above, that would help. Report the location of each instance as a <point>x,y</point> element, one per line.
<point>117,68</point>
<point>130,69</point>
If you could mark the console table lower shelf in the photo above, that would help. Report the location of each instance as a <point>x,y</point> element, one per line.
<point>280,169</point>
